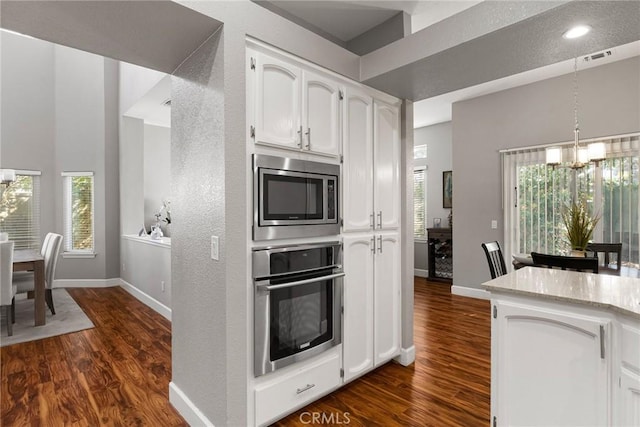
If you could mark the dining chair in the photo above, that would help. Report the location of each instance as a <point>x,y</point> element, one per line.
<point>583,264</point>
<point>25,283</point>
<point>607,249</point>
<point>7,288</point>
<point>497,266</point>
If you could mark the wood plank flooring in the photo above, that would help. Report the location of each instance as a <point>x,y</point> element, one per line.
<point>118,373</point>
<point>448,385</point>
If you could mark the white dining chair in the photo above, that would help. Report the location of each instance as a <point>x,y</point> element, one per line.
<point>26,283</point>
<point>7,289</point>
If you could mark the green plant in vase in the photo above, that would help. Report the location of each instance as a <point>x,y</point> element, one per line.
<point>579,224</point>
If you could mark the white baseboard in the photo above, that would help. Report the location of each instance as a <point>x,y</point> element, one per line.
<point>407,356</point>
<point>146,299</point>
<point>420,273</point>
<point>470,292</point>
<point>190,412</point>
<point>86,283</point>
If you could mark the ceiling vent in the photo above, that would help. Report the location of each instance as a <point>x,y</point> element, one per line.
<point>598,55</point>
<point>167,103</point>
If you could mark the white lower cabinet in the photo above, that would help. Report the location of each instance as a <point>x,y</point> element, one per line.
<point>628,409</point>
<point>288,392</point>
<point>371,321</point>
<point>550,367</point>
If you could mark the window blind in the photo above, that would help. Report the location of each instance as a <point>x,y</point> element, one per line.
<point>20,210</point>
<point>419,203</point>
<point>78,211</point>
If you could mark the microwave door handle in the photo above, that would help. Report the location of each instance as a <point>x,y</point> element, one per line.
<point>269,287</point>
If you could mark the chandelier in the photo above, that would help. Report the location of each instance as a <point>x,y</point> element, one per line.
<point>582,155</point>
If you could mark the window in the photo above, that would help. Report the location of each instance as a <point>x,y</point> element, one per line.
<point>536,194</point>
<point>78,212</point>
<point>420,192</point>
<point>20,210</point>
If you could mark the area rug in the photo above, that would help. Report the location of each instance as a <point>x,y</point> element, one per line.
<point>69,318</point>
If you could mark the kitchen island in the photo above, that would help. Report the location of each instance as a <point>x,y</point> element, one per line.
<point>565,349</point>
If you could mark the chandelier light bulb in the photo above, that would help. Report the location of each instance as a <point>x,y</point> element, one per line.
<point>577,31</point>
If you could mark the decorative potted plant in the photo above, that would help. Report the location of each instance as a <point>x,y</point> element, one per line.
<point>579,225</point>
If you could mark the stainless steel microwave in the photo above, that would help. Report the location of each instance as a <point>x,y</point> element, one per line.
<point>294,198</point>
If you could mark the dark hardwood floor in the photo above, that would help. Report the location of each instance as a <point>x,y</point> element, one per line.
<point>448,385</point>
<point>118,372</point>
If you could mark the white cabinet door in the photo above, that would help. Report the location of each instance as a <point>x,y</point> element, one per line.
<point>320,114</point>
<point>386,171</point>
<point>357,176</point>
<point>277,109</point>
<point>552,367</point>
<point>357,340</point>
<point>386,298</point>
<point>630,399</point>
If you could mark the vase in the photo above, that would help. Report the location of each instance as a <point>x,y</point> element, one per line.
<point>578,253</point>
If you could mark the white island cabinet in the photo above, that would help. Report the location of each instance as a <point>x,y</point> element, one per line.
<point>565,349</point>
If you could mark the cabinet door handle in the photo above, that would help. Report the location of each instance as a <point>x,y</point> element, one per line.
<point>601,341</point>
<point>300,137</point>
<point>308,133</point>
<point>372,223</point>
<point>380,219</point>
<point>380,243</point>
<point>373,245</point>
<point>305,388</point>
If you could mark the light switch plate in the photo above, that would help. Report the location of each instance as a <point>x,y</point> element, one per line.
<point>215,248</point>
<point>494,224</point>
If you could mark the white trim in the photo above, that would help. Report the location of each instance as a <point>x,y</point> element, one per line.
<point>164,242</point>
<point>185,407</point>
<point>420,273</point>
<point>73,254</point>
<point>146,299</point>
<point>407,356</point>
<point>86,283</point>
<point>470,292</point>
<point>27,172</point>
<point>77,174</point>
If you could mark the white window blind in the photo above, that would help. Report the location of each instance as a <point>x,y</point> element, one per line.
<point>78,212</point>
<point>534,196</point>
<point>20,210</point>
<point>419,202</point>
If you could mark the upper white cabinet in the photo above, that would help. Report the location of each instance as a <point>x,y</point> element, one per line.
<point>295,108</point>
<point>550,367</point>
<point>386,173</point>
<point>371,172</point>
<point>357,172</point>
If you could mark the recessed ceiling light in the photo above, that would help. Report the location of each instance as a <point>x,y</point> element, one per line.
<point>577,31</point>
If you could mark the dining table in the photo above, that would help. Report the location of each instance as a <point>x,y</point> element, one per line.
<point>32,260</point>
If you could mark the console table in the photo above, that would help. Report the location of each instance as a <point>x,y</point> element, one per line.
<point>440,254</point>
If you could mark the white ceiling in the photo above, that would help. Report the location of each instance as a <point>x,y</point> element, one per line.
<point>151,107</point>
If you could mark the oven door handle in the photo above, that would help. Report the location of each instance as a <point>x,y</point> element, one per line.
<point>269,287</point>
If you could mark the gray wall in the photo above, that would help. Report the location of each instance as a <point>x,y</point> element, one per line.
<point>157,173</point>
<point>131,159</point>
<point>438,140</point>
<point>534,114</point>
<point>57,115</point>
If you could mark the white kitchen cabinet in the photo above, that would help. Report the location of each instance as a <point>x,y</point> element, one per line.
<point>357,171</point>
<point>371,322</point>
<point>371,172</point>
<point>295,108</point>
<point>550,367</point>
<point>386,171</point>
<point>628,409</point>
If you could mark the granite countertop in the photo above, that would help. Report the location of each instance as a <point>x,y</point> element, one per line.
<point>621,294</point>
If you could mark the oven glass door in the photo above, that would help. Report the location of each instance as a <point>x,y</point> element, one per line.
<point>301,317</point>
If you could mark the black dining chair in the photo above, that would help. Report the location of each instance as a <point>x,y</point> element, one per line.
<point>583,264</point>
<point>497,267</point>
<point>607,249</point>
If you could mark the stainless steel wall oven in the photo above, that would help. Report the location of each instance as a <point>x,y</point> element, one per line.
<point>294,198</point>
<point>297,303</point>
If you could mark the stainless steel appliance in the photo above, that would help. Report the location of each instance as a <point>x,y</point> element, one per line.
<point>294,198</point>
<point>297,303</point>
